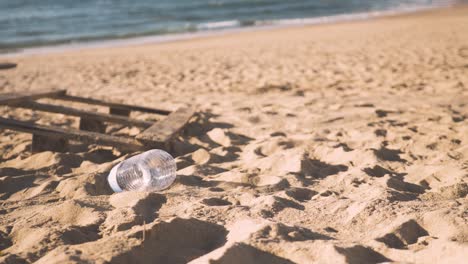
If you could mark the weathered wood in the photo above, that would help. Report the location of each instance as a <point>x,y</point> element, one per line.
<point>84,114</point>
<point>7,65</point>
<point>119,111</point>
<point>122,143</point>
<point>113,105</point>
<point>157,135</point>
<point>44,143</point>
<point>166,129</point>
<point>13,98</point>
<point>90,124</point>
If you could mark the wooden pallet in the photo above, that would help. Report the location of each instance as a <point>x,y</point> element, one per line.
<point>92,124</point>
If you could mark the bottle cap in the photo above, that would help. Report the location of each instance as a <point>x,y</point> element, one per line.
<point>112,179</point>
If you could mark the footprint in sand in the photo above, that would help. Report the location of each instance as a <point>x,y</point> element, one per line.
<point>178,241</point>
<point>387,154</point>
<point>403,235</point>
<point>300,194</point>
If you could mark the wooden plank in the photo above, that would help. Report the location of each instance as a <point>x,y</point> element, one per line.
<point>44,143</point>
<point>12,98</point>
<point>113,105</point>
<point>89,124</point>
<point>122,143</point>
<point>84,114</point>
<point>119,111</point>
<point>166,129</point>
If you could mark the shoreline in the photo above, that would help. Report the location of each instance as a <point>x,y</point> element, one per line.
<point>187,36</point>
<point>305,137</point>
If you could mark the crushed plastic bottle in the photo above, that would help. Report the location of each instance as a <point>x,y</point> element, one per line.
<point>153,170</point>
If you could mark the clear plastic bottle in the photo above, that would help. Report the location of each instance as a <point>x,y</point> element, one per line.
<point>152,170</point>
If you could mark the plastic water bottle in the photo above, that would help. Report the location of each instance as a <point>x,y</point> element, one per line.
<point>152,170</point>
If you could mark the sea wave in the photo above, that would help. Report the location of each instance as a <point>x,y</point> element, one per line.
<point>402,9</point>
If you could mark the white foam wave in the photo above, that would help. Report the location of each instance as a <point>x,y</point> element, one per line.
<point>354,16</point>
<point>219,25</point>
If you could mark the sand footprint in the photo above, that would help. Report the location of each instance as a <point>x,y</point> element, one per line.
<point>403,235</point>
<point>177,241</point>
<point>132,208</point>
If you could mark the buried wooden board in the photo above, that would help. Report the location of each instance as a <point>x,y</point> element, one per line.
<point>7,65</point>
<point>13,98</point>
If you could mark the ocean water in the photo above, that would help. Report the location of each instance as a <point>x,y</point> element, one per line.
<point>31,23</point>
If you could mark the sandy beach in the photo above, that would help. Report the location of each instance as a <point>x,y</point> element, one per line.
<point>335,143</point>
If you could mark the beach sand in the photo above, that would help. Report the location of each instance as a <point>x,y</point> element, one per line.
<point>337,143</point>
